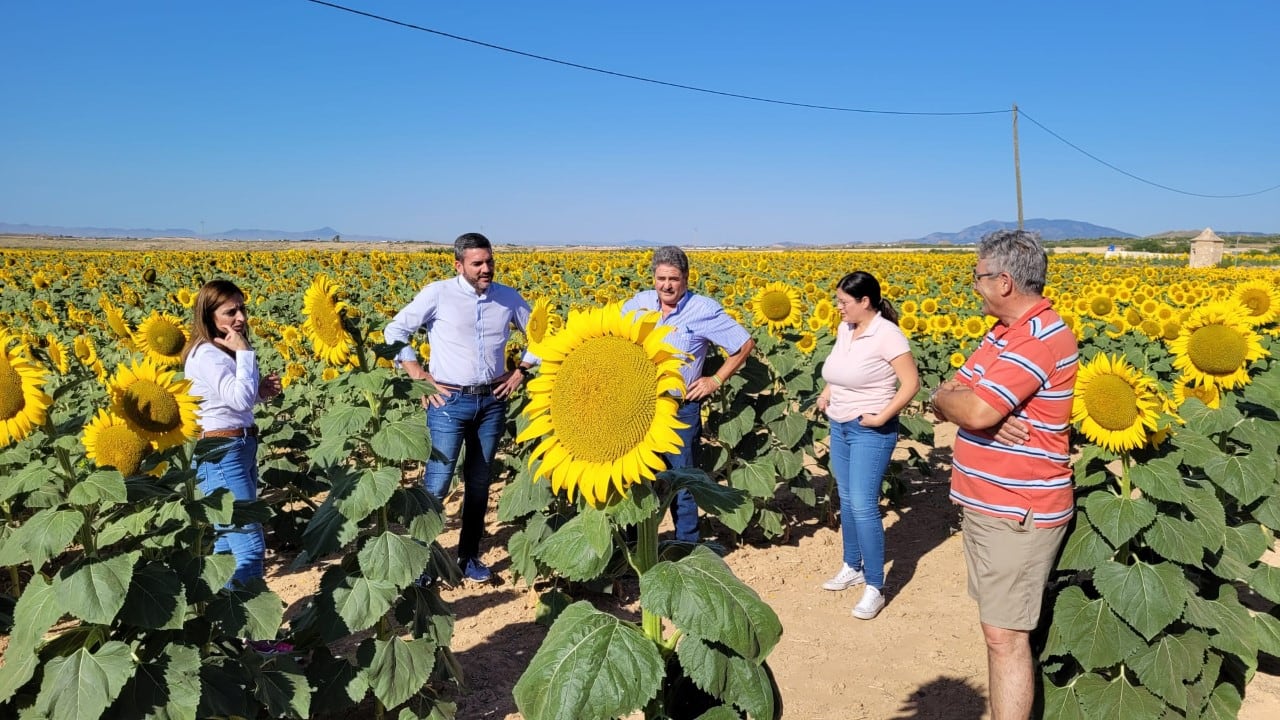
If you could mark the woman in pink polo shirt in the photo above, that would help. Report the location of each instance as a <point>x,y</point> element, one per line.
<point>870,376</point>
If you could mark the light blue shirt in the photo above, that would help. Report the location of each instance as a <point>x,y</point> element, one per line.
<point>699,322</point>
<point>467,330</point>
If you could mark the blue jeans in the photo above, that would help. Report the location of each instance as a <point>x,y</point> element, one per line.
<point>477,422</point>
<point>859,456</point>
<point>684,510</point>
<point>236,471</point>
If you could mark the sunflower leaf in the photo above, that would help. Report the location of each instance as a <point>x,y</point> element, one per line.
<point>37,610</point>
<point>1063,703</point>
<point>1159,479</point>
<point>790,429</point>
<point>398,559</point>
<point>640,503</point>
<point>728,676</point>
<point>1242,546</point>
<point>83,684</point>
<point>1085,549</point>
<point>1265,580</point>
<point>580,549</point>
<point>1231,624</point>
<point>1091,632</point>
<point>1116,699</point>
<point>1117,518</point>
<point>1148,597</point>
<point>522,496</point>
<point>344,420</point>
<point>712,497</point>
<point>360,601</point>
<point>372,492</point>
<point>400,668</point>
<point>400,441</point>
<point>1182,541</point>
<point>250,610</point>
<point>1168,664</point>
<point>590,666</point>
<point>155,599</point>
<point>1246,478</point>
<point>1207,421</point>
<point>702,597</point>
<point>95,589</point>
<point>756,477</point>
<point>44,535</point>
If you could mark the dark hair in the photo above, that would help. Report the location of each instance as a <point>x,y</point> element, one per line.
<point>859,284</point>
<point>469,241</point>
<point>211,296</point>
<point>1019,253</point>
<point>670,255</point>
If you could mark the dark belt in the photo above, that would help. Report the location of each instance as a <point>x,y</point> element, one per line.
<point>251,431</point>
<point>481,389</point>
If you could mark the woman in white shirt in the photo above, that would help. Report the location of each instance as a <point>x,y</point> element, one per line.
<point>223,370</point>
<point>870,377</point>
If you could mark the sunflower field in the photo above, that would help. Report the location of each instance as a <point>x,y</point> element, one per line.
<point>113,603</point>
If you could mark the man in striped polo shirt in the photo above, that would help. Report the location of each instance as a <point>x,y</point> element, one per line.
<point>1011,469</point>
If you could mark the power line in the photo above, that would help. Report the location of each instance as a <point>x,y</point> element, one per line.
<point>640,78</point>
<point>1126,173</point>
<point>774,101</point>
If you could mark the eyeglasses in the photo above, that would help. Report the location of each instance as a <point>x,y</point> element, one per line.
<point>978,276</point>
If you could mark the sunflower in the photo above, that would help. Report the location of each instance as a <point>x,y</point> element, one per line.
<point>1100,305</point>
<point>823,311</point>
<point>161,337</point>
<point>329,374</point>
<point>185,298</point>
<point>928,306</point>
<point>1116,405</point>
<point>1216,345</point>
<point>604,402</point>
<point>956,359</point>
<point>324,325</point>
<point>776,306</point>
<point>24,405</point>
<point>975,326</point>
<point>807,342</point>
<point>1185,389</point>
<point>154,404</point>
<point>536,328</point>
<point>110,442</point>
<point>57,353</point>
<point>1259,299</point>
<point>115,318</point>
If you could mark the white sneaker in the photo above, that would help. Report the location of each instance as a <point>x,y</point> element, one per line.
<point>870,605</point>
<point>846,578</point>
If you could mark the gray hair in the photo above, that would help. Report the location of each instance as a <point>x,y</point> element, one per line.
<point>670,255</point>
<point>469,241</point>
<point>1019,253</point>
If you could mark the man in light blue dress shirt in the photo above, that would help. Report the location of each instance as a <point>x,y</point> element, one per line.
<point>468,320</point>
<point>699,322</point>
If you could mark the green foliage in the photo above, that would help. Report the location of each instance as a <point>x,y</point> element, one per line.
<point>122,610</point>
<point>1147,619</point>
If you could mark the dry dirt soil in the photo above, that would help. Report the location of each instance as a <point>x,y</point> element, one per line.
<point>922,658</point>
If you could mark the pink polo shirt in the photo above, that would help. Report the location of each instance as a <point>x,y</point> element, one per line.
<point>858,371</point>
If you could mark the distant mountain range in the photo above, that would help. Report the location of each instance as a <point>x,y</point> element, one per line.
<point>1048,229</point>
<point>324,233</point>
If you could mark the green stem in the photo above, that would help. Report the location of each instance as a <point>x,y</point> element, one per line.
<point>647,557</point>
<point>1122,552</point>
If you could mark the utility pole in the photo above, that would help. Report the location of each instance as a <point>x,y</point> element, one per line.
<point>1017,166</point>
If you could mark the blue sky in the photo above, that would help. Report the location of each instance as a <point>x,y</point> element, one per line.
<point>288,115</point>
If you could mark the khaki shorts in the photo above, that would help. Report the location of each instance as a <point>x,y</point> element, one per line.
<point>1009,564</point>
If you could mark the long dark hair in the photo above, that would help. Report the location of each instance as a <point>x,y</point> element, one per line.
<point>859,284</point>
<point>211,296</point>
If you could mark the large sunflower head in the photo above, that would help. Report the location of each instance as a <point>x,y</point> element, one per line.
<point>161,337</point>
<point>1216,345</point>
<point>776,306</point>
<point>323,325</point>
<point>110,442</point>
<point>1260,301</point>
<point>154,404</point>
<point>1116,406</point>
<point>24,405</point>
<point>537,327</point>
<point>604,403</point>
